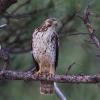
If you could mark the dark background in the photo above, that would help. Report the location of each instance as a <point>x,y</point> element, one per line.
<point>26,15</point>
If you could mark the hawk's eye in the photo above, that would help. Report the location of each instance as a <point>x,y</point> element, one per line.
<point>49,23</point>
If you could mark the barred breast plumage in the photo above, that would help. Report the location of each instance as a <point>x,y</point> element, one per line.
<point>45,51</point>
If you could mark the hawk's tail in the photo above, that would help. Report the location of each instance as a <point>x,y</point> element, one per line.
<point>47,87</point>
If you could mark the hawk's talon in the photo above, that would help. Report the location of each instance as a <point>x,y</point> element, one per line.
<point>38,72</point>
<point>51,75</point>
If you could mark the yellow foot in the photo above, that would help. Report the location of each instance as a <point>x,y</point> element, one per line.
<point>39,72</point>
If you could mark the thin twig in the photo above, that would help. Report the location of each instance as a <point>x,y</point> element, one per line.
<point>77,33</point>
<point>3,26</point>
<point>70,66</point>
<point>58,92</point>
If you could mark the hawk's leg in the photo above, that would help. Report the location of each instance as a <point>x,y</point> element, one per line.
<point>40,70</point>
<point>52,71</point>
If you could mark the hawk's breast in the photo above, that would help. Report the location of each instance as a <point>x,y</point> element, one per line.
<point>44,47</point>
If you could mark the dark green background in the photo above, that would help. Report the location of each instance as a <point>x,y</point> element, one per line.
<point>74,48</point>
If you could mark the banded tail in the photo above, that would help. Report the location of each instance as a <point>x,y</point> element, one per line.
<point>47,87</point>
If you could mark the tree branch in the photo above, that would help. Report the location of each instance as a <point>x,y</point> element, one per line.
<point>91,30</point>
<point>18,75</point>
<point>4,4</point>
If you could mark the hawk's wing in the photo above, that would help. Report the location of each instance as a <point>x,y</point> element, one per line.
<point>56,48</point>
<point>35,62</point>
<point>57,52</point>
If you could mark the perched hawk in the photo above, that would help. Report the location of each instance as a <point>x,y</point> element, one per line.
<point>45,52</point>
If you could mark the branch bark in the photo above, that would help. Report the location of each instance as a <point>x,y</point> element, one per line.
<point>18,75</point>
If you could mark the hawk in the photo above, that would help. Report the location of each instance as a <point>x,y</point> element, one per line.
<point>45,52</point>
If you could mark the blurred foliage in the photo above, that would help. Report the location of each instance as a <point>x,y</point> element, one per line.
<point>74,48</point>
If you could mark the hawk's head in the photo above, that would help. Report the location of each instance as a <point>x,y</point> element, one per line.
<point>47,24</point>
<point>51,22</point>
